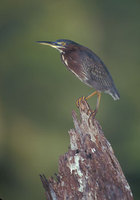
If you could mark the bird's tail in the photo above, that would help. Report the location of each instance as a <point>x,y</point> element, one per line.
<point>114,93</point>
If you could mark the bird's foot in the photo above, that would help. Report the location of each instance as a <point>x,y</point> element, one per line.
<point>78,102</point>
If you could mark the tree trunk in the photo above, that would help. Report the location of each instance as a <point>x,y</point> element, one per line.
<point>89,170</point>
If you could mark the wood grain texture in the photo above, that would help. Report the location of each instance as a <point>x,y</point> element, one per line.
<point>89,170</point>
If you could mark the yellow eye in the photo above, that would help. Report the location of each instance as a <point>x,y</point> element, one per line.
<point>63,43</point>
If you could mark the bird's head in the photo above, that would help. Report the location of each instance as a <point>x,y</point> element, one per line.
<point>61,45</point>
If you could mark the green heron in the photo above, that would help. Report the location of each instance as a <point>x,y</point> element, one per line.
<point>87,66</point>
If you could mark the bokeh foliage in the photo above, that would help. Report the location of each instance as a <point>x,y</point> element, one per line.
<point>37,93</point>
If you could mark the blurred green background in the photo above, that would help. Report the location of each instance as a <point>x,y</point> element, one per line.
<point>37,93</point>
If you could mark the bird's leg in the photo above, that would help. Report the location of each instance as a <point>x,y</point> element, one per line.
<point>85,98</point>
<point>93,113</point>
<point>91,95</point>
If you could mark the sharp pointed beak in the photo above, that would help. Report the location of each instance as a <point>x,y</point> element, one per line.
<point>52,44</point>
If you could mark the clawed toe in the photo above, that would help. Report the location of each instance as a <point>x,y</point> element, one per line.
<point>78,102</point>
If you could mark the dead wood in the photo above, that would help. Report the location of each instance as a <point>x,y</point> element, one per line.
<point>89,170</point>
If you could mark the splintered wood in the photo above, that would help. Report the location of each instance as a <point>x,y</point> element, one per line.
<point>89,170</point>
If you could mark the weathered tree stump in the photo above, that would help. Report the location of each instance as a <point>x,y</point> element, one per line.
<point>89,170</point>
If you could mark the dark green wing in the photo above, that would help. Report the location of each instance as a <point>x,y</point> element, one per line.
<point>98,74</point>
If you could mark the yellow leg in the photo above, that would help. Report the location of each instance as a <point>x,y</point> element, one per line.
<point>91,95</point>
<point>86,98</point>
<point>97,105</point>
<point>98,100</point>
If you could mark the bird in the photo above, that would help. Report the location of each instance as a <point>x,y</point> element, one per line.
<point>88,67</point>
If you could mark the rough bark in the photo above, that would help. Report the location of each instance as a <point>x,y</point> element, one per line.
<point>89,170</point>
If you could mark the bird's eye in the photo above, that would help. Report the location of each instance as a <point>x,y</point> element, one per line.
<point>63,43</point>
